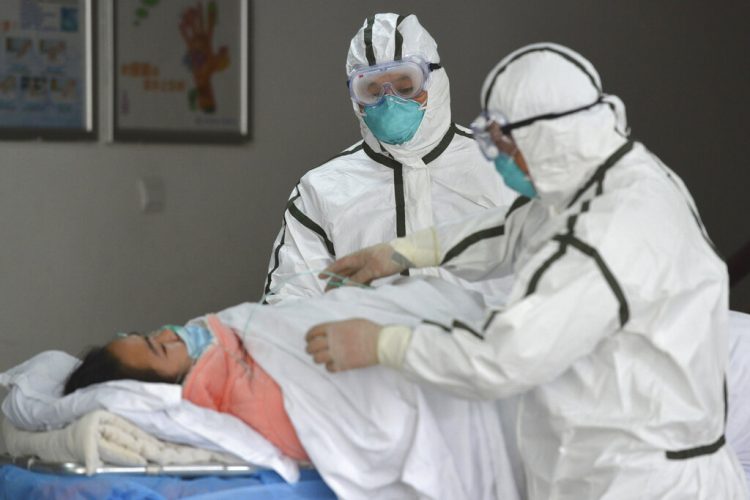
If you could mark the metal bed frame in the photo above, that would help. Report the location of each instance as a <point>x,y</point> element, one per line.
<point>75,469</point>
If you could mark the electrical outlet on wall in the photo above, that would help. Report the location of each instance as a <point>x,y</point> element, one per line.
<point>152,194</point>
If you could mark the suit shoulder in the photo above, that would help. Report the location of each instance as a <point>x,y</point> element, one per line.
<point>340,160</point>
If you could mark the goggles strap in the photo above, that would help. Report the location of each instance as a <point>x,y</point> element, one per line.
<point>548,116</point>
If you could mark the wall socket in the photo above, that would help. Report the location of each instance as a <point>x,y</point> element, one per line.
<point>152,194</point>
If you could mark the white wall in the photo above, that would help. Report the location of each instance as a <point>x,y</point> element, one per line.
<point>79,261</point>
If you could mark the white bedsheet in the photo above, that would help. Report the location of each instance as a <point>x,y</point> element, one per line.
<point>372,433</point>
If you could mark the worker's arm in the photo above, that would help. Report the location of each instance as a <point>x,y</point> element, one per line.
<point>568,308</point>
<point>571,302</point>
<point>301,246</point>
<point>474,248</point>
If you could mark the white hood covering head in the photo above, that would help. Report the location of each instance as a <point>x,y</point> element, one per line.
<point>380,34</point>
<point>561,153</point>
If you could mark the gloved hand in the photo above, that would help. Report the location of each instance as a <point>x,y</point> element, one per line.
<point>366,265</point>
<point>344,345</point>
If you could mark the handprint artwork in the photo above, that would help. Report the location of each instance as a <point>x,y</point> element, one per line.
<point>181,69</point>
<point>197,31</point>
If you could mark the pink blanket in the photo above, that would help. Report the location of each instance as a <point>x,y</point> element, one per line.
<point>228,380</point>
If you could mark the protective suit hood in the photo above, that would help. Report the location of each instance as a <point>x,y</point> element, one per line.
<point>380,37</point>
<point>563,152</point>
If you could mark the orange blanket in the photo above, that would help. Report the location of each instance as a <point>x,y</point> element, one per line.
<point>227,379</point>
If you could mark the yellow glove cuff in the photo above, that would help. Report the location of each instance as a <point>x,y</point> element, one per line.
<point>393,341</point>
<point>421,248</point>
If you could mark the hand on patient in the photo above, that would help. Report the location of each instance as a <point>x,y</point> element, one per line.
<point>366,265</point>
<point>344,345</point>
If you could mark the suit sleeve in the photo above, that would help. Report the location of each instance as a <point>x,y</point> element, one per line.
<point>478,247</point>
<point>571,302</point>
<point>302,249</point>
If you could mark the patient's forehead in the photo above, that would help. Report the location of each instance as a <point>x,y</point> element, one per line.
<point>134,352</point>
<point>163,353</point>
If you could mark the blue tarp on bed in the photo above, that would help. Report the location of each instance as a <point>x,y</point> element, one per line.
<point>17,483</point>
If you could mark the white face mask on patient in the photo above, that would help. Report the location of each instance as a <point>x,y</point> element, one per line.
<point>196,338</point>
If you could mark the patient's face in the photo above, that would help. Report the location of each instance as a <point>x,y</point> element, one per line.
<point>162,352</point>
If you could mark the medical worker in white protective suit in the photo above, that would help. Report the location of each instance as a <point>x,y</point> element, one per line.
<point>616,327</point>
<point>413,169</point>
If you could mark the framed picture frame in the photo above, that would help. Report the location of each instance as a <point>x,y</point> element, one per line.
<point>47,70</point>
<point>181,71</point>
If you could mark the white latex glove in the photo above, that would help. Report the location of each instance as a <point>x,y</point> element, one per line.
<point>366,265</point>
<point>344,345</point>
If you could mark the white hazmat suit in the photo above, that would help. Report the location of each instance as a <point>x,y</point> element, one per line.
<point>374,191</point>
<point>616,327</point>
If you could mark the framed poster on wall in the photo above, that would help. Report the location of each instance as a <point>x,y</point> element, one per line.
<point>46,69</point>
<point>181,70</point>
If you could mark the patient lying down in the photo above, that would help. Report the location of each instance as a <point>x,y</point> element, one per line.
<point>217,373</point>
<point>371,433</point>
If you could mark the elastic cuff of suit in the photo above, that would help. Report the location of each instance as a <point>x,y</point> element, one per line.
<point>421,248</point>
<point>393,341</point>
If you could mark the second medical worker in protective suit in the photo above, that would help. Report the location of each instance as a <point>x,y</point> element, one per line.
<point>616,327</point>
<point>414,168</point>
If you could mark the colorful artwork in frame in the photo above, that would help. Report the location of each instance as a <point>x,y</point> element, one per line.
<point>47,69</point>
<point>181,70</point>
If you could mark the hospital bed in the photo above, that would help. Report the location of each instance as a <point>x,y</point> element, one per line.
<point>269,478</point>
<point>168,449</point>
<point>29,477</point>
<point>371,434</point>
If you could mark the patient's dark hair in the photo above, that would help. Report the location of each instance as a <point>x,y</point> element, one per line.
<point>100,365</point>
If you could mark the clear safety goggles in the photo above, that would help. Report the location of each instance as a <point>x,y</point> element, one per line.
<point>489,137</point>
<point>406,78</point>
<point>492,141</point>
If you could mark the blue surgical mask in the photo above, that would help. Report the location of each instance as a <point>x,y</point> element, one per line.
<point>196,338</point>
<point>394,120</point>
<point>513,176</point>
